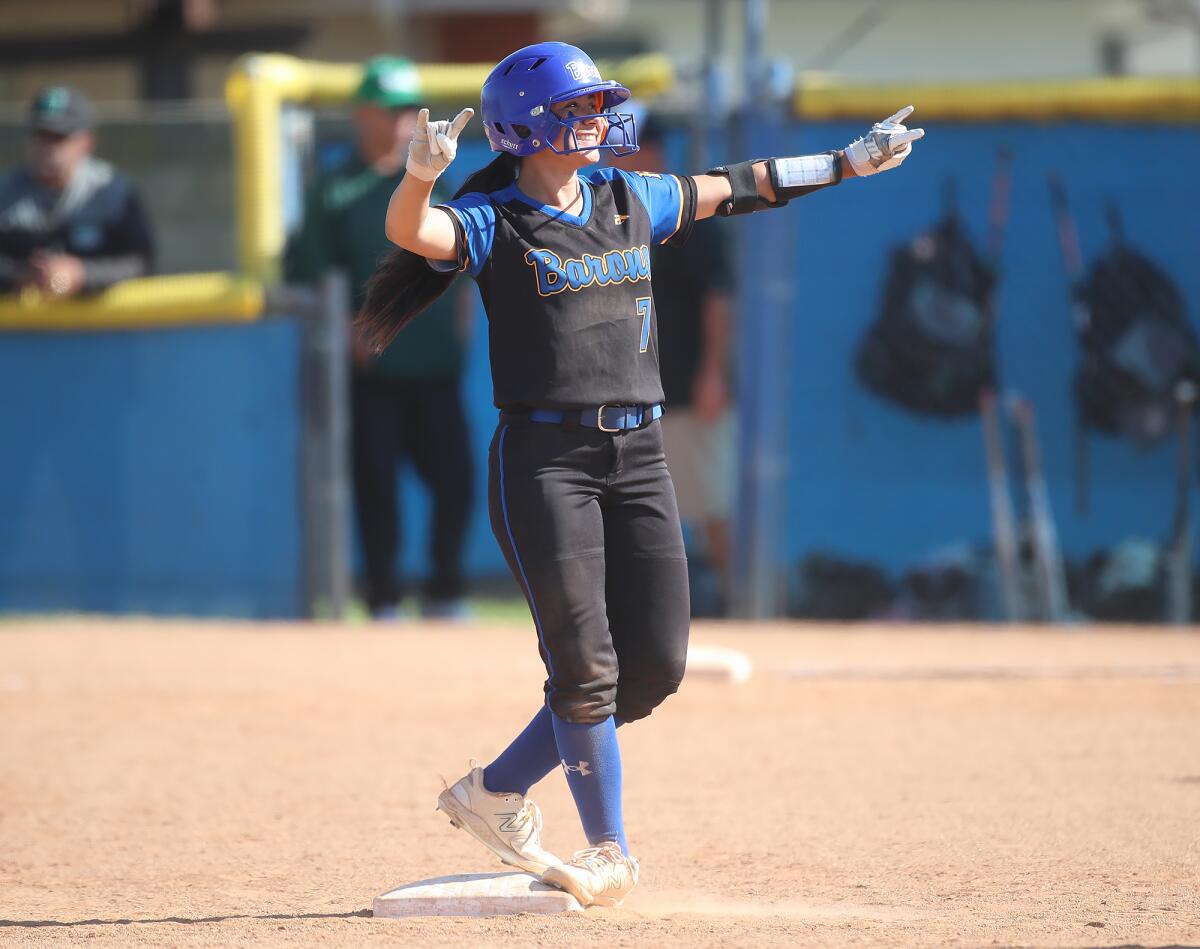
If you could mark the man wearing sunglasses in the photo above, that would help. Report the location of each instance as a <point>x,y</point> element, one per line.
<point>69,222</point>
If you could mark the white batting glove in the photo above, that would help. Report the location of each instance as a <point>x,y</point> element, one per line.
<point>434,144</point>
<point>884,147</point>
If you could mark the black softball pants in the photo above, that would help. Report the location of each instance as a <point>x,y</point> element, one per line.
<point>588,524</point>
<point>421,420</point>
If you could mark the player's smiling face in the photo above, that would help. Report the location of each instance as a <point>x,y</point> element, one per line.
<point>589,133</point>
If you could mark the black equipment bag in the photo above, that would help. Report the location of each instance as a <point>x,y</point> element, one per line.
<point>930,348</point>
<point>1135,345</point>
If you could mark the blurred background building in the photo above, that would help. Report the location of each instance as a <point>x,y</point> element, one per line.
<point>171,49</point>
<point>127,492</point>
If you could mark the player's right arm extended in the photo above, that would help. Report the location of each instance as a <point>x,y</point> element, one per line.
<point>410,222</point>
<point>749,186</point>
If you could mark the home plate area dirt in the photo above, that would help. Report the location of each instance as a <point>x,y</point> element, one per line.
<point>230,784</point>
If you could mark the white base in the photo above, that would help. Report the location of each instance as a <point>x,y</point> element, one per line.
<point>718,662</point>
<point>475,894</point>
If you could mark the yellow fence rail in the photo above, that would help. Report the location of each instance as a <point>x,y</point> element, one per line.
<point>1128,99</point>
<point>141,304</point>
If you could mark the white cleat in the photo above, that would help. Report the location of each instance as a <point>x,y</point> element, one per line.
<point>600,876</point>
<point>509,825</point>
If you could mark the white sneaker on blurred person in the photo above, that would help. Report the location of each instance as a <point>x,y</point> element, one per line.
<point>600,876</point>
<point>509,825</point>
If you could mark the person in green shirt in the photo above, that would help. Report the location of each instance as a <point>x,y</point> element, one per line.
<point>406,402</point>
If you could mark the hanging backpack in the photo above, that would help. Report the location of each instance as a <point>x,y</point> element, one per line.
<point>1135,347</point>
<point>930,348</point>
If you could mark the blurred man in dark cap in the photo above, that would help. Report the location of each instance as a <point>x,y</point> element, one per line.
<point>69,223</point>
<point>407,405</point>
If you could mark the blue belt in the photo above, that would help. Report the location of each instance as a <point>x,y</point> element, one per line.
<point>607,418</point>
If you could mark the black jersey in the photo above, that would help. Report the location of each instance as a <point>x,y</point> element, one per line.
<point>568,300</point>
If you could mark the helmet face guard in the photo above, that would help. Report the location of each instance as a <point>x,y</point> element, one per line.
<point>620,134</point>
<point>520,91</point>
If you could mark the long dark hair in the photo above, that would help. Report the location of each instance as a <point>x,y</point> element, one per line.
<point>403,284</point>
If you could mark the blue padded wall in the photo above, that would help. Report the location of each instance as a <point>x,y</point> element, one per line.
<point>151,471</point>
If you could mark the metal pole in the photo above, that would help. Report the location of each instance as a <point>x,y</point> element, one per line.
<point>707,117</point>
<point>762,304</point>
<point>325,397</point>
<point>754,64</point>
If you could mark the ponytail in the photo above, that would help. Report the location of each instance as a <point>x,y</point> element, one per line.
<point>404,284</point>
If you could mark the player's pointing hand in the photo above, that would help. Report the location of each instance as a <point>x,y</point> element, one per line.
<point>885,146</point>
<point>435,144</point>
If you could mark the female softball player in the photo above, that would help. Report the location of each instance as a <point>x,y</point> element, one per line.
<point>579,495</point>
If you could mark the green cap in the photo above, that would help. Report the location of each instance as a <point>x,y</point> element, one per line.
<point>391,82</point>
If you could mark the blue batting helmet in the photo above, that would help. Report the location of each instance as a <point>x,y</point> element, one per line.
<point>519,92</point>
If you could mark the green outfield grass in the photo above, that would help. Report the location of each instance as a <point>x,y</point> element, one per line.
<point>484,609</point>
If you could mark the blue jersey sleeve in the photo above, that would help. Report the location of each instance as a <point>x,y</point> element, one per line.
<point>475,216</point>
<point>663,196</point>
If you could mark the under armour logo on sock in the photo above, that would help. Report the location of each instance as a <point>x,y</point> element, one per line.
<point>581,769</point>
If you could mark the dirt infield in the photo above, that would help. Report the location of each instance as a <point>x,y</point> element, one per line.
<point>222,784</point>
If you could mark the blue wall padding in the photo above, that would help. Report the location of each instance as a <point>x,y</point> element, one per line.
<point>153,471</point>
<point>881,484</point>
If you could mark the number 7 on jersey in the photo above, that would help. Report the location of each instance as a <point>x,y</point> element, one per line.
<point>643,308</point>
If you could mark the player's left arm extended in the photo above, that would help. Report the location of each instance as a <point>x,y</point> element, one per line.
<point>750,186</point>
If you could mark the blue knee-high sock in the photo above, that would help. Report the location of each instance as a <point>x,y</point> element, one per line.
<point>592,759</point>
<point>532,755</point>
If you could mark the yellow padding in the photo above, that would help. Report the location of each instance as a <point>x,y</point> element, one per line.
<point>140,304</point>
<point>310,82</point>
<point>1097,100</point>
